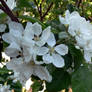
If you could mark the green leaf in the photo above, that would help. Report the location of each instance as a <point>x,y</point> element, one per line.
<point>82,80</point>
<point>4,70</point>
<point>16,86</point>
<point>68,61</point>
<point>77,56</point>
<point>37,86</point>
<point>2,17</point>
<point>31,19</point>
<point>23,3</point>
<point>61,80</point>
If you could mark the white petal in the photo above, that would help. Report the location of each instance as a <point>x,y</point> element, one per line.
<point>16,29</point>
<point>7,38</point>
<point>29,33</point>
<point>71,31</point>
<point>51,40</point>
<point>46,33</point>
<point>61,49</point>
<point>42,50</point>
<point>11,4</point>
<point>62,20</point>
<point>13,50</point>
<point>40,43</point>
<point>37,29</point>
<point>25,70</point>
<point>67,14</point>
<point>47,58</point>
<point>2,27</point>
<point>42,73</point>
<point>58,61</point>
<point>63,35</point>
<point>27,55</point>
<point>12,64</point>
<point>27,42</point>
<point>87,56</point>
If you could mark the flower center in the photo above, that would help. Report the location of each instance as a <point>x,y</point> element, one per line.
<point>36,38</point>
<point>32,63</point>
<point>51,50</point>
<point>78,32</point>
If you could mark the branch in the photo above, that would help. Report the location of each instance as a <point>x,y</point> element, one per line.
<point>47,10</point>
<point>39,8</point>
<point>43,1</point>
<point>7,10</point>
<point>78,3</point>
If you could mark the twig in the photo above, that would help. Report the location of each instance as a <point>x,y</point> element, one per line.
<point>39,8</point>
<point>43,1</point>
<point>47,10</point>
<point>78,3</point>
<point>7,10</point>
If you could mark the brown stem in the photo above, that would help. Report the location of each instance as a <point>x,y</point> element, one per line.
<point>78,3</point>
<point>39,9</point>
<point>47,10</point>
<point>43,1</point>
<point>7,10</point>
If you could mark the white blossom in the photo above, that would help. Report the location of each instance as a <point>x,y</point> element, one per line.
<point>4,88</point>
<point>33,34</point>
<point>81,30</point>
<point>23,71</point>
<point>27,43</point>
<point>14,38</point>
<point>55,52</point>
<point>33,40</point>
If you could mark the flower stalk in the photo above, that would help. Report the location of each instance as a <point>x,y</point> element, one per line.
<point>7,10</point>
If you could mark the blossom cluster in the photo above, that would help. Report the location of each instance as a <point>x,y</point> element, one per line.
<point>26,45</point>
<point>81,30</point>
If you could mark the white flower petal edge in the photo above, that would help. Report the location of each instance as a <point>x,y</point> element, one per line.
<point>37,29</point>
<point>11,4</point>
<point>5,88</point>
<point>16,29</point>
<point>7,38</point>
<point>42,51</point>
<point>62,49</point>
<point>26,54</point>
<point>45,35</point>
<point>51,40</point>
<point>66,19</point>
<point>42,73</point>
<point>28,33</point>
<point>13,50</point>
<point>47,58</point>
<point>58,61</point>
<point>87,56</point>
<point>2,27</point>
<point>62,20</point>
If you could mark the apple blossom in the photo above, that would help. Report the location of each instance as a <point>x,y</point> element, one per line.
<point>54,53</point>
<point>4,88</point>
